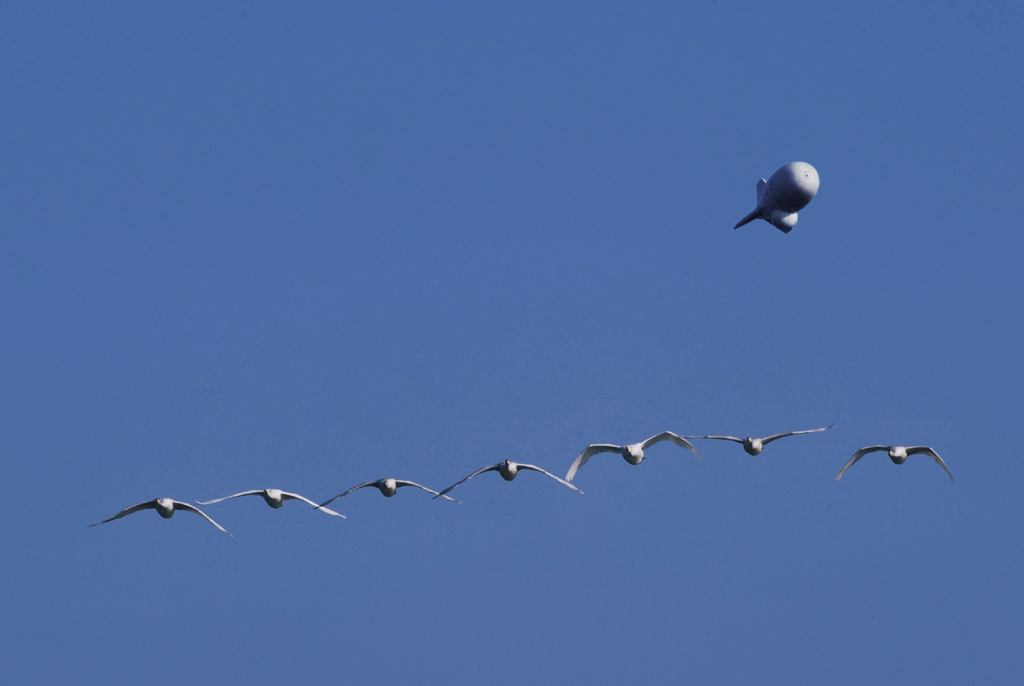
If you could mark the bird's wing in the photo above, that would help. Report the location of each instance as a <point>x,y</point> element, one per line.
<point>925,450</point>
<point>544,471</point>
<point>148,505</point>
<point>341,495</point>
<point>493,467</point>
<point>588,453</point>
<point>859,454</point>
<point>229,497</point>
<point>766,441</point>
<point>401,482</point>
<point>296,496</point>
<point>717,438</point>
<point>669,436</point>
<point>178,505</point>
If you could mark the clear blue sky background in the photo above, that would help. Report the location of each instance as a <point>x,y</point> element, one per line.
<point>253,246</point>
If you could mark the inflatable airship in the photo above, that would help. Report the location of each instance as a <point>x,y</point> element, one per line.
<point>783,195</point>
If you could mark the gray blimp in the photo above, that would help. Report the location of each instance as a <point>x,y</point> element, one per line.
<point>783,195</point>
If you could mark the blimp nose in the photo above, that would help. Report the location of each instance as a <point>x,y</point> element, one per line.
<point>807,177</point>
<point>794,186</point>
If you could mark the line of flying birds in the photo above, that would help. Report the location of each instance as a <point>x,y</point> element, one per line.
<point>779,199</point>
<point>632,453</point>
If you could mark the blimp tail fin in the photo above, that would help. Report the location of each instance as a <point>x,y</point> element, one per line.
<point>756,214</point>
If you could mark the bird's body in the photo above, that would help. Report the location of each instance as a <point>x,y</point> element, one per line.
<point>273,497</point>
<point>388,487</point>
<point>165,507</point>
<point>754,446</point>
<point>632,453</point>
<point>508,471</point>
<point>786,192</point>
<point>898,454</point>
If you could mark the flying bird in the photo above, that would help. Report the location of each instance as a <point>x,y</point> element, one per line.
<point>275,498</point>
<point>388,487</point>
<point>508,470</point>
<point>165,507</point>
<point>898,454</point>
<point>633,453</point>
<point>754,446</point>
<point>786,192</point>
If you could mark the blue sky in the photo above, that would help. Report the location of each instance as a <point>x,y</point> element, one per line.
<point>253,246</point>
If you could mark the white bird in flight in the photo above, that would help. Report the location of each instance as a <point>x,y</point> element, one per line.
<point>275,498</point>
<point>165,507</point>
<point>898,454</point>
<point>386,486</point>
<point>633,453</point>
<point>754,446</point>
<point>508,470</point>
